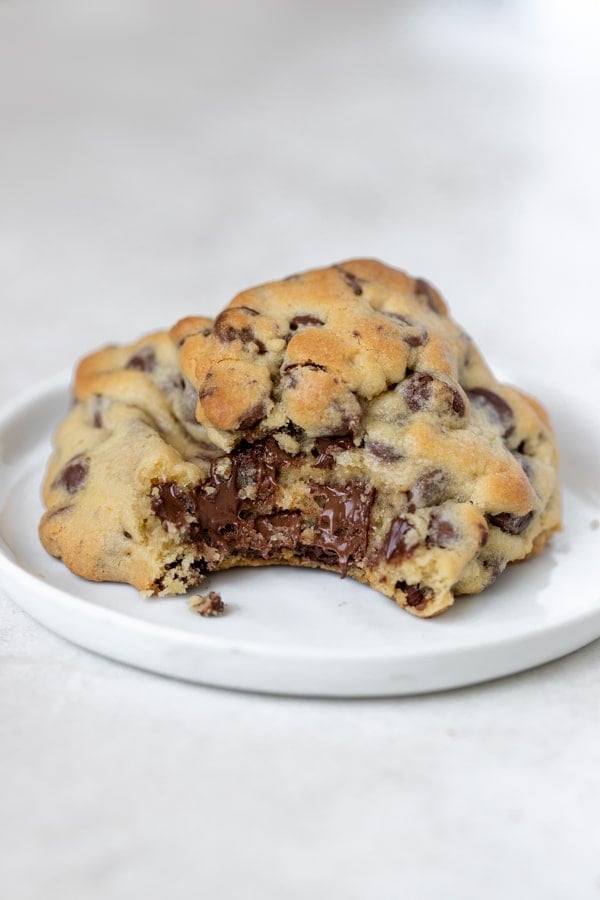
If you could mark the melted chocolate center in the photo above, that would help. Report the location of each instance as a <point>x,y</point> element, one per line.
<point>235,510</point>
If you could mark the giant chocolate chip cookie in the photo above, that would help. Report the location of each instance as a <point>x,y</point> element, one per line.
<point>338,419</point>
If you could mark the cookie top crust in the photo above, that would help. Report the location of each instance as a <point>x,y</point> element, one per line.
<point>315,349</point>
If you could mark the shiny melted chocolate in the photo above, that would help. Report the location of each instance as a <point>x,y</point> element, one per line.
<point>343,525</point>
<point>234,511</point>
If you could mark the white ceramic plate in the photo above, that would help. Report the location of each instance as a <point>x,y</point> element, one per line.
<point>294,631</point>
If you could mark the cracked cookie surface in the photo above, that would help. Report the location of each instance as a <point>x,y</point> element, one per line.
<point>338,419</point>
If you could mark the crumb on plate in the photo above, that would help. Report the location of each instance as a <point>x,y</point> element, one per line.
<point>207,604</point>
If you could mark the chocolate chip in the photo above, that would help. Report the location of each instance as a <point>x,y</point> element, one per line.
<point>170,503</point>
<point>424,291</point>
<point>343,524</point>
<point>442,532</point>
<point>417,390</point>
<point>401,540</point>
<point>73,475</point>
<point>349,425</point>
<point>297,321</point>
<point>457,404</point>
<point>511,524</point>
<point>143,361</point>
<point>227,333</point>
<point>417,595</point>
<point>223,509</point>
<point>251,418</point>
<point>280,528</point>
<point>416,340</point>
<point>307,365</point>
<point>351,280</point>
<point>429,488</point>
<point>326,448</point>
<point>419,336</point>
<point>495,408</point>
<point>420,390</point>
<point>293,371</point>
<point>382,451</point>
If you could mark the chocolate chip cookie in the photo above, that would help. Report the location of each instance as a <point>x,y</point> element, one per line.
<point>337,419</point>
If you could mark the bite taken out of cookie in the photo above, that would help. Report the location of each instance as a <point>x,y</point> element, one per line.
<point>337,419</point>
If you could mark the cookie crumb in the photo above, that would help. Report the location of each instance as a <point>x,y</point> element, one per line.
<point>207,604</point>
<point>594,524</point>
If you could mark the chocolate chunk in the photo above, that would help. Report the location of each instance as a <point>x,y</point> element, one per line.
<point>442,532</point>
<point>251,418</point>
<point>326,448</point>
<point>292,373</point>
<point>207,390</point>
<point>401,540</point>
<point>416,340</point>
<point>424,291</point>
<point>297,321</point>
<point>349,425</point>
<point>291,367</point>
<point>511,524</point>
<point>143,361</point>
<point>73,475</point>
<point>351,280</point>
<point>262,461</point>
<point>429,488</point>
<point>382,451</point>
<point>417,390</point>
<point>280,528</point>
<point>417,595</point>
<point>170,503</point>
<point>420,390</point>
<point>227,333</point>
<point>484,534</point>
<point>457,404</point>
<point>318,554</point>
<point>343,524</point>
<point>419,337</point>
<point>495,407</point>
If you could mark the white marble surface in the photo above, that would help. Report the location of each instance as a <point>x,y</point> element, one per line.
<point>156,157</point>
